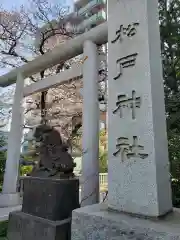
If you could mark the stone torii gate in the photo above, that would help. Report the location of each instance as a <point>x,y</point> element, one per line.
<point>86,44</point>
<point>139,203</point>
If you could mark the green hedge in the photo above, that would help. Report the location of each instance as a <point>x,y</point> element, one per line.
<point>3,230</point>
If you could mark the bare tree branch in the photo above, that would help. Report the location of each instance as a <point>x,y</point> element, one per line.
<point>33,31</point>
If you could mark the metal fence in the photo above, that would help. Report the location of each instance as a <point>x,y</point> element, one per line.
<point>103,182</point>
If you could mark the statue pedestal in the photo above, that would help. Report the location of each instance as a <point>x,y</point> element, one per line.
<point>46,211</point>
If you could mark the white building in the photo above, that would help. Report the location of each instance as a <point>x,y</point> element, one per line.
<point>90,13</point>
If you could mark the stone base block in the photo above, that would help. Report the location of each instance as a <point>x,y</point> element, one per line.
<point>53,199</point>
<point>10,199</point>
<point>96,222</point>
<point>23,226</point>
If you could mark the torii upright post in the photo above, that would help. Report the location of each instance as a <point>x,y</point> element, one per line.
<point>90,139</point>
<point>9,196</point>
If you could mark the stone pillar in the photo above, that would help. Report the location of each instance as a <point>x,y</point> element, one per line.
<point>90,139</point>
<point>9,195</point>
<point>139,179</point>
<point>139,190</point>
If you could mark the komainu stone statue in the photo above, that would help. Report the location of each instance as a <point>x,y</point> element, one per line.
<point>54,159</point>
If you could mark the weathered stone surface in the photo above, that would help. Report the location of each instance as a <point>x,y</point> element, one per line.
<point>95,222</point>
<point>138,167</point>
<point>27,227</point>
<point>53,199</point>
<point>54,157</point>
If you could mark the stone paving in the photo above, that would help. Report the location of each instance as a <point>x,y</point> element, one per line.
<point>4,212</point>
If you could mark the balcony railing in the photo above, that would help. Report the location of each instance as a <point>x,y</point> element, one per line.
<point>90,5</point>
<point>95,19</point>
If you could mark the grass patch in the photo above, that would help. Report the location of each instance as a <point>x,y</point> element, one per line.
<point>3,230</point>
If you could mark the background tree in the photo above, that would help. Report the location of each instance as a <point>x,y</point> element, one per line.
<point>170,46</point>
<point>103,164</point>
<point>33,31</point>
<point>5,106</point>
<point>28,33</point>
<point>2,159</point>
